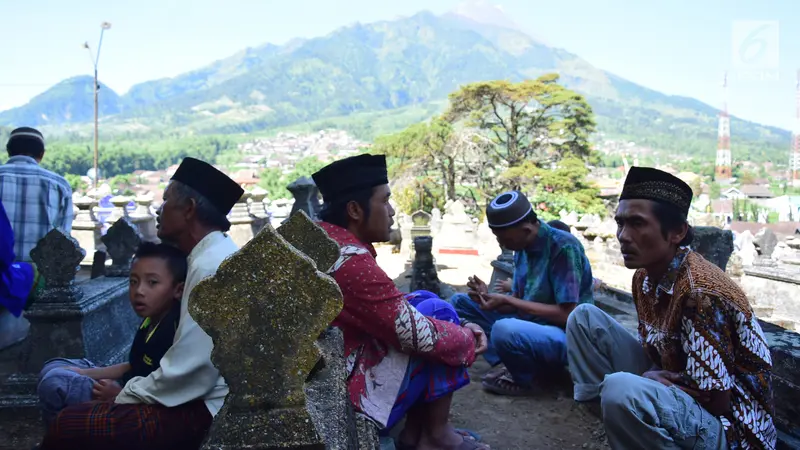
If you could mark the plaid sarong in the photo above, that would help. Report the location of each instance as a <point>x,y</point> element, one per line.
<point>107,425</point>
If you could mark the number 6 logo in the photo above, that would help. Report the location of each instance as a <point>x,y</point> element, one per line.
<point>755,44</point>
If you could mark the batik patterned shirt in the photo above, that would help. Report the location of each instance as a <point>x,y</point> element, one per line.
<point>36,201</point>
<point>553,270</point>
<point>697,322</point>
<point>382,330</point>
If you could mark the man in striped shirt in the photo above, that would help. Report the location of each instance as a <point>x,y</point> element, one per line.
<point>35,199</point>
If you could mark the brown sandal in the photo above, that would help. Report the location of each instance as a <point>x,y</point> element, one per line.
<point>505,385</point>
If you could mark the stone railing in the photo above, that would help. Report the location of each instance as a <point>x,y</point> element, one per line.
<point>91,319</point>
<point>247,217</point>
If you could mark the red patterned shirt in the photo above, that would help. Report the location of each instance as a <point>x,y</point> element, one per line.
<point>382,330</point>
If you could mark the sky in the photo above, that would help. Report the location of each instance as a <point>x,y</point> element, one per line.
<point>680,47</point>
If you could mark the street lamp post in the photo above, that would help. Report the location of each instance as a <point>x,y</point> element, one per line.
<point>95,60</point>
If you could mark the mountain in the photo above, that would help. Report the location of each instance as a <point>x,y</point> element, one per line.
<point>71,100</point>
<point>403,68</point>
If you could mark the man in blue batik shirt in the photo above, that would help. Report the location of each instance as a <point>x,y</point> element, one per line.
<point>526,327</point>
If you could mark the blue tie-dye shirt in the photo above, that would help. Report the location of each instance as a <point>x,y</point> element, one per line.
<point>553,270</point>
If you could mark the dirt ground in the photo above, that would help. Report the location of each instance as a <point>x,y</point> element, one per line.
<point>548,421</point>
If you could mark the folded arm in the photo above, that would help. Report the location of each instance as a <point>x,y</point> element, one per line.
<point>373,304</point>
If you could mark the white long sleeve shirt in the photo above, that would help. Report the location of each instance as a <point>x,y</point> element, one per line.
<point>186,371</point>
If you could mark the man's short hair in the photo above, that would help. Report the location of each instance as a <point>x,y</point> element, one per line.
<point>175,258</point>
<point>671,218</point>
<point>207,213</point>
<point>335,212</point>
<point>26,141</point>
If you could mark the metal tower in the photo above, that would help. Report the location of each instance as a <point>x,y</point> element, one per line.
<point>794,158</point>
<point>723,163</point>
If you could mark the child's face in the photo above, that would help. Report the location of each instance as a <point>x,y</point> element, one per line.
<point>152,287</point>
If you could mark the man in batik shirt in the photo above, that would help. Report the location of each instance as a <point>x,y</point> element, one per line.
<point>401,359</point>
<point>700,375</point>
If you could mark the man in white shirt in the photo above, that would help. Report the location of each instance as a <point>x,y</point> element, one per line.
<point>173,407</point>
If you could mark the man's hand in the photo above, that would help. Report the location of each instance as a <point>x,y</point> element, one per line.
<point>668,378</point>
<point>106,390</point>
<point>477,285</point>
<point>481,341</point>
<point>491,302</point>
<point>503,285</point>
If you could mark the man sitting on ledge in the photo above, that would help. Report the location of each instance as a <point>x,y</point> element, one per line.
<point>400,361</point>
<point>172,407</point>
<point>703,378</point>
<point>526,327</point>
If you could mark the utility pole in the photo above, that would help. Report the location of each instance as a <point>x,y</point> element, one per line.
<point>95,60</point>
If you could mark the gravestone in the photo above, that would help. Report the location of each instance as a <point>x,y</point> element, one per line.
<point>714,244</point>
<point>457,234</point>
<point>86,228</point>
<point>503,267</point>
<point>306,197</point>
<point>423,269</point>
<point>421,226</point>
<point>326,388</point>
<point>241,221</point>
<point>120,210</point>
<point>258,209</point>
<point>264,309</point>
<point>144,219</point>
<point>121,241</point>
<point>765,242</point>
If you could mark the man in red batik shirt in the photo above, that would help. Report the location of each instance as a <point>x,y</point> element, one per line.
<point>401,359</point>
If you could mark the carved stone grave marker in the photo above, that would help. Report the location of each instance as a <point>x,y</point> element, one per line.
<point>264,309</point>
<point>304,235</point>
<point>121,241</point>
<point>58,257</point>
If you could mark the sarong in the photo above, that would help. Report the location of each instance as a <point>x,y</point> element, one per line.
<point>427,381</point>
<point>107,425</point>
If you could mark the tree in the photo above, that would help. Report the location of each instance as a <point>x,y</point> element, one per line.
<point>715,191</point>
<point>435,147</point>
<point>537,121</point>
<point>274,181</point>
<point>564,187</point>
<point>697,186</point>
<point>76,182</point>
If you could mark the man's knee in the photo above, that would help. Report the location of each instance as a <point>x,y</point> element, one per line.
<point>580,317</point>
<point>619,394</point>
<point>52,386</point>
<point>462,304</point>
<point>506,334</point>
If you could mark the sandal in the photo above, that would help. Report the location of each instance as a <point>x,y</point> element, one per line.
<point>467,435</point>
<point>495,373</point>
<point>505,385</point>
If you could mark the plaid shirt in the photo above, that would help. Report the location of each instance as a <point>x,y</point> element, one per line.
<point>36,201</point>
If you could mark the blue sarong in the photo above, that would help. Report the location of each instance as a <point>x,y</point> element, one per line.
<point>427,381</point>
<point>16,278</point>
